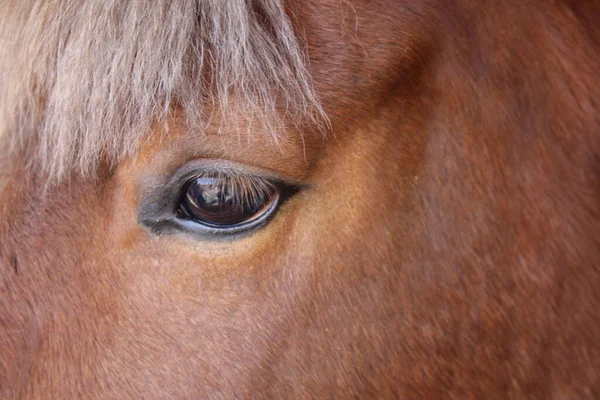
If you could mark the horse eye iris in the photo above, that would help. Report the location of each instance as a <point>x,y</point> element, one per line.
<point>221,202</point>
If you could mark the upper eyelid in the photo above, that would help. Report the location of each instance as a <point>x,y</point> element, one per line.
<point>220,166</point>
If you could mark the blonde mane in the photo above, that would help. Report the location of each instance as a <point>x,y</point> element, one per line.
<point>86,79</point>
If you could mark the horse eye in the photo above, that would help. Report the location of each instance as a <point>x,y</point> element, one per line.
<point>223,202</point>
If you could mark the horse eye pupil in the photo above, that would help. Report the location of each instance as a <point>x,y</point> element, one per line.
<point>213,201</point>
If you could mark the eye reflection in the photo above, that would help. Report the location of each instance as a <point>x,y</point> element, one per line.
<point>226,201</point>
<point>209,192</point>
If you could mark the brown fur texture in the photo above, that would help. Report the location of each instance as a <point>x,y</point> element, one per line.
<point>446,243</point>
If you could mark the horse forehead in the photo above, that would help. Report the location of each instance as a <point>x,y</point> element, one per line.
<point>73,130</point>
<point>191,54</point>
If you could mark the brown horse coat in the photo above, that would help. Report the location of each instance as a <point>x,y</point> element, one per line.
<point>444,242</point>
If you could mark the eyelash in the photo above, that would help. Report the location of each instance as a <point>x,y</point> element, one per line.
<point>249,190</point>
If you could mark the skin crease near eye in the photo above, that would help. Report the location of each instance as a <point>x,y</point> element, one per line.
<point>289,155</point>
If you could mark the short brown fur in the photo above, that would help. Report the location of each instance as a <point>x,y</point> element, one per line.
<point>447,244</point>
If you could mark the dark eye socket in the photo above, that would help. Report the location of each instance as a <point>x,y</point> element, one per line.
<point>222,201</point>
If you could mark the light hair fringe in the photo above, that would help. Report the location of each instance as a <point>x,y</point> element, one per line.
<point>86,79</point>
